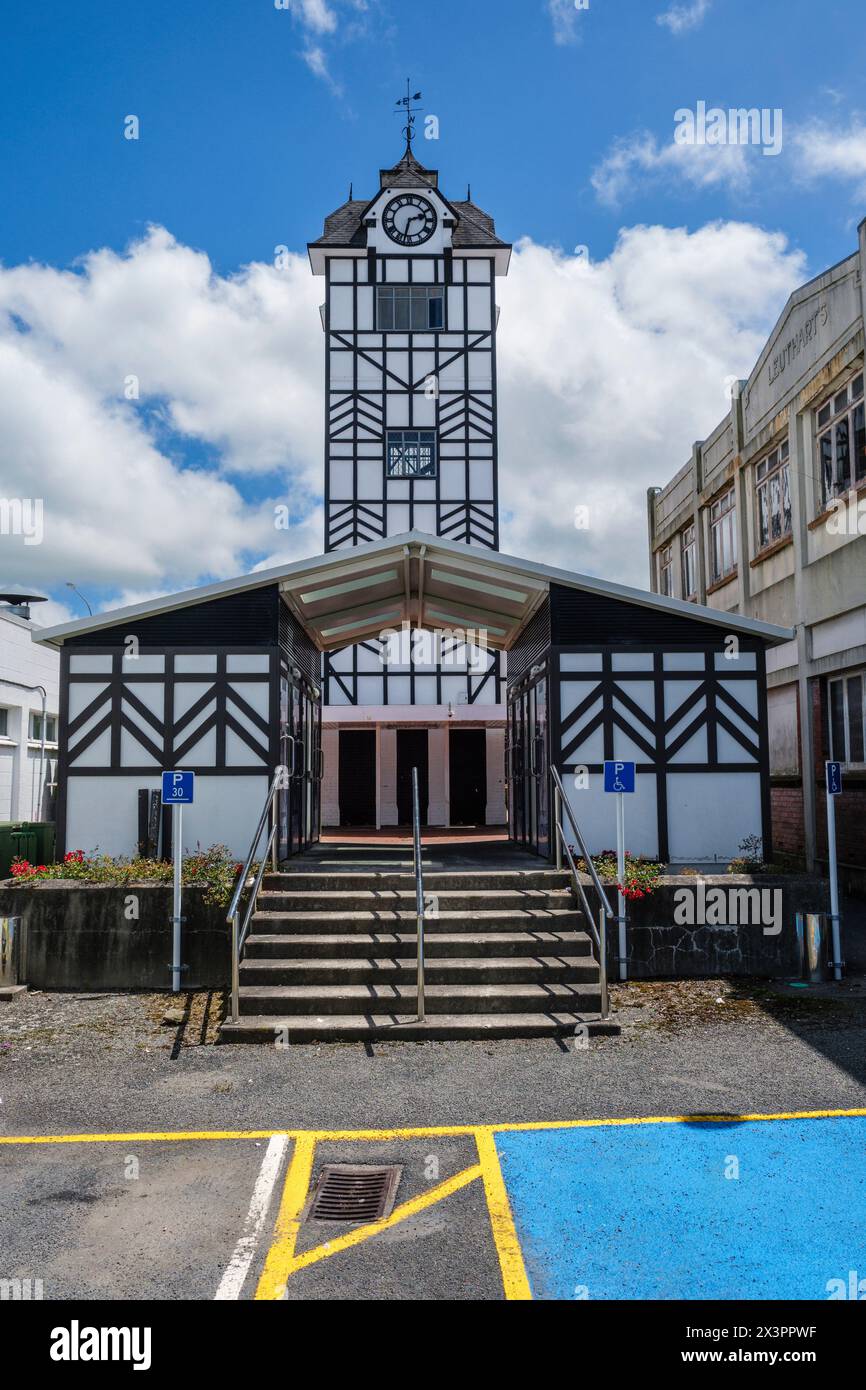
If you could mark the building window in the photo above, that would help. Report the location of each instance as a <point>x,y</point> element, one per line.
<point>690,562</point>
<point>50,728</point>
<point>847,714</point>
<point>410,308</point>
<point>723,532</point>
<point>411,454</point>
<point>666,571</point>
<point>773,494</point>
<point>841,435</point>
<point>4,723</point>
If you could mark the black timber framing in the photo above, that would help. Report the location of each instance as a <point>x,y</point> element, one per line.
<point>585,623</point>
<point>217,628</point>
<point>362,412</point>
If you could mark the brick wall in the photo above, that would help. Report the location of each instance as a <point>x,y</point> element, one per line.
<point>789,835</point>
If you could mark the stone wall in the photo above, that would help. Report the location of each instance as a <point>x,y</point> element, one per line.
<point>661,945</point>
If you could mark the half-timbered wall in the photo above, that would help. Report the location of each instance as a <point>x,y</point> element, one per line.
<point>196,688</point>
<point>670,694</point>
<point>443,381</point>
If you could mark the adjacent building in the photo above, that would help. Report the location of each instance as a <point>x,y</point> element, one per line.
<point>29,706</point>
<point>767,519</point>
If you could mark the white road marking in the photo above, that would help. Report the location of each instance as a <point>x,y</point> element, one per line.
<point>239,1265</point>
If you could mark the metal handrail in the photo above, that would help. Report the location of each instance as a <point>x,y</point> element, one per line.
<point>233,914</point>
<point>419,890</point>
<point>599,933</point>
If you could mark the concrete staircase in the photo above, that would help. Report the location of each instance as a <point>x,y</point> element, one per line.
<point>332,955</point>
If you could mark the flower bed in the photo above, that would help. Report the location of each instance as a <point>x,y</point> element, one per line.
<point>212,870</point>
<point>642,876</point>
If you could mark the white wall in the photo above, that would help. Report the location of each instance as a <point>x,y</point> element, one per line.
<point>331,780</point>
<point>102,813</point>
<point>22,660</point>
<point>496,814</point>
<point>437,756</point>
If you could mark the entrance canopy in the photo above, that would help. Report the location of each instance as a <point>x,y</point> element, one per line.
<point>416,578</point>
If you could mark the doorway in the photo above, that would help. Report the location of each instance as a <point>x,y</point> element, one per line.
<point>527,764</point>
<point>467,765</point>
<point>411,752</point>
<point>357,777</point>
<point>299,801</point>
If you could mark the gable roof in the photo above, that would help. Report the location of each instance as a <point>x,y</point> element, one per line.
<point>345,595</point>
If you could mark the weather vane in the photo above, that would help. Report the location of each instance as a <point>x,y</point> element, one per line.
<point>405,105</point>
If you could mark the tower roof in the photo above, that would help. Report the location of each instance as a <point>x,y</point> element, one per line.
<point>345,226</point>
<point>408,172</point>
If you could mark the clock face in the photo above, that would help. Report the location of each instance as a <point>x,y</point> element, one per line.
<point>409,220</point>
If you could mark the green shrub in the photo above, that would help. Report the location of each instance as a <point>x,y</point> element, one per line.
<point>212,869</point>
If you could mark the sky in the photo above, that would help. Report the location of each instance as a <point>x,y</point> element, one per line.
<point>161,375</point>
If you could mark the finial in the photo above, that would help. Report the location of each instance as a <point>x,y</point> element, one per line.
<point>351,186</point>
<point>405,105</point>
<point>469,192</point>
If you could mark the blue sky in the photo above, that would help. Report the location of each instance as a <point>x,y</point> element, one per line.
<point>242,144</point>
<point>254,119</point>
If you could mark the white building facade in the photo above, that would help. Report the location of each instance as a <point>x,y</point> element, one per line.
<point>28,761</point>
<point>768,520</point>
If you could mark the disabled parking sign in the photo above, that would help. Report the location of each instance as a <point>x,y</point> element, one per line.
<point>619,777</point>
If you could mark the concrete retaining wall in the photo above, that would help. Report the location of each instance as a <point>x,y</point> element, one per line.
<point>84,938</point>
<point>731,935</point>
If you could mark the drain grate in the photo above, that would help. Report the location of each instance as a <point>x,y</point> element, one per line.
<point>354,1192</point>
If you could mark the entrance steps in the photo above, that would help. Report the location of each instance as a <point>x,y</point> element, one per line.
<point>333,956</point>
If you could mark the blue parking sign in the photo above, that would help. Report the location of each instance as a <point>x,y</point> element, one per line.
<point>619,777</point>
<point>178,788</point>
<point>834,779</point>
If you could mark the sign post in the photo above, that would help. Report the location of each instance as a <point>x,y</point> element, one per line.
<point>619,781</point>
<point>178,790</point>
<point>834,789</point>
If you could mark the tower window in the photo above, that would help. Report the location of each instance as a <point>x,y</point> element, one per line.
<point>411,454</point>
<point>410,308</point>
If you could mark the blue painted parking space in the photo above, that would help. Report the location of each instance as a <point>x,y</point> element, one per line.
<point>765,1209</point>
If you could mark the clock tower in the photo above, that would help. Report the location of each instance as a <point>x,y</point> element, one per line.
<point>410,320</point>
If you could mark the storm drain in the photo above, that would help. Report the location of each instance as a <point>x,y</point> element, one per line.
<point>354,1192</point>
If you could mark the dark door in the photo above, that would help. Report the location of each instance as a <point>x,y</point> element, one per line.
<point>411,752</point>
<point>300,754</point>
<point>528,766</point>
<point>467,761</point>
<point>357,777</point>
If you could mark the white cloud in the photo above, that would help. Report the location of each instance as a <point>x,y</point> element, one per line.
<point>607,373</point>
<point>564,14</point>
<point>640,158</point>
<point>827,151</point>
<point>322,24</point>
<point>315,15</point>
<point>681,18</point>
<point>316,60</point>
<point>228,366</point>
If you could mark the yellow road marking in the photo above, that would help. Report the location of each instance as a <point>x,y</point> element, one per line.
<point>514,1277</point>
<point>401,1213</point>
<point>422,1132</point>
<point>272,1284</point>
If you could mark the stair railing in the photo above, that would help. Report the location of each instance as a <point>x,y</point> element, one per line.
<point>419,890</point>
<point>239,932</point>
<point>599,932</point>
